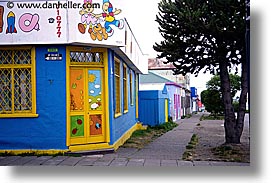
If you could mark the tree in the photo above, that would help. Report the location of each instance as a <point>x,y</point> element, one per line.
<point>212,97</point>
<point>215,84</point>
<point>208,36</point>
<point>212,101</point>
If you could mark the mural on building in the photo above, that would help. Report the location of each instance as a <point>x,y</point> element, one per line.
<point>94,86</point>
<point>99,25</point>
<point>88,18</point>
<point>29,22</point>
<point>1,18</point>
<point>89,21</point>
<point>95,124</point>
<point>77,126</point>
<point>11,23</point>
<point>32,21</point>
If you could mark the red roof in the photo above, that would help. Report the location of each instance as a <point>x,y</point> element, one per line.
<point>154,64</point>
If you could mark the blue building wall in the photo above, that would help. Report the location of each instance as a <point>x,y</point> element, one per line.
<point>161,116</point>
<point>193,92</point>
<point>175,106</point>
<point>48,130</point>
<point>152,107</point>
<point>121,124</point>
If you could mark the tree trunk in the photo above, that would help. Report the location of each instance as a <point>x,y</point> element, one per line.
<point>243,98</point>
<point>229,115</point>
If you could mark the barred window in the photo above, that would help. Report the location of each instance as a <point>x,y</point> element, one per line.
<point>16,82</point>
<point>80,57</point>
<point>125,89</point>
<point>117,87</point>
<point>131,88</point>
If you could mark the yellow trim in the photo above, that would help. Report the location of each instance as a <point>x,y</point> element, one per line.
<point>125,89</point>
<point>137,81</point>
<point>102,146</point>
<point>131,89</point>
<point>166,109</point>
<point>33,81</point>
<point>68,139</point>
<point>126,135</point>
<point>80,143</point>
<point>36,152</point>
<point>118,114</point>
<point>115,146</point>
<point>32,66</point>
<point>22,115</point>
<point>106,95</point>
<point>86,147</point>
<point>118,108</point>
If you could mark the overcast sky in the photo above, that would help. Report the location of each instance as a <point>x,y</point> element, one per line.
<point>141,16</point>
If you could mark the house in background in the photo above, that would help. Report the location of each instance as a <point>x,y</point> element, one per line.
<point>174,91</point>
<point>195,99</point>
<point>153,104</point>
<point>158,67</point>
<point>67,83</point>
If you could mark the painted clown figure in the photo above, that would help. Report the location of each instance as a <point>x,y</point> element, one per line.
<point>109,17</point>
<point>87,17</point>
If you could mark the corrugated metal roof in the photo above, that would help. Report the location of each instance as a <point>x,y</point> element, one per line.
<point>153,78</point>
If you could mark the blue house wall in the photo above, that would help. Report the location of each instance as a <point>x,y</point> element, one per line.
<point>193,92</point>
<point>121,124</point>
<point>152,107</point>
<point>48,130</point>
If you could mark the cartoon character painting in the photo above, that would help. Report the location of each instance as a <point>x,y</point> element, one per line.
<point>99,33</point>
<point>29,22</point>
<point>11,23</point>
<point>1,18</point>
<point>87,17</point>
<point>109,16</point>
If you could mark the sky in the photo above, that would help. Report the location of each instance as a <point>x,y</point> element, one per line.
<point>141,16</point>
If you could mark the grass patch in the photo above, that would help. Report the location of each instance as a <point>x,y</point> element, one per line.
<point>187,116</point>
<point>189,152</point>
<point>211,117</point>
<point>231,152</point>
<point>142,137</point>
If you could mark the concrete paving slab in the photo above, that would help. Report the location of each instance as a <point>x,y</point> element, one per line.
<point>55,161</point>
<point>219,163</point>
<point>87,161</point>
<point>71,161</point>
<point>166,150</point>
<point>182,163</point>
<point>136,162</point>
<point>168,163</point>
<point>202,163</point>
<point>9,159</point>
<point>22,160</point>
<point>152,163</point>
<point>118,162</point>
<point>103,162</point>
<point>38,161</point>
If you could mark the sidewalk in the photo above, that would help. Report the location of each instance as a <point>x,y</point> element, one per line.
<point>165,151</point>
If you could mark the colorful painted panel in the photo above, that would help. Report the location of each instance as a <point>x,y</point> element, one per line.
<point>77,126</point>
<point>95,124</point>
<point>77,90</point>
<point>94,90</point>
<point>81,21</point>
